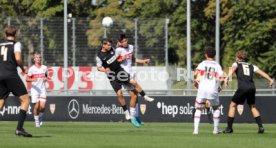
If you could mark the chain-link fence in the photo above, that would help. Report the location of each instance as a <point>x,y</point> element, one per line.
<point>46,36</point>
<point>149,37</point>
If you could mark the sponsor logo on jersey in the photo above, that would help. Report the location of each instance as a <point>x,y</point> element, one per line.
<point>111,60</point>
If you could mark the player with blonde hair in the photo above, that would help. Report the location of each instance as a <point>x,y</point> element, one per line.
<point>37,75</point>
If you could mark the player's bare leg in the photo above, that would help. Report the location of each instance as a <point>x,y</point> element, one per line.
<point>2,103</point>
<point>140,91</point>
<point>209,113</point>
<point>230,119</point>
<point>36,117</point>
<point>41,110</point>
<point>134,93</point>
<point>137,111</point>
<point>25,102</point>
<point>257,116</point>
<point>132,104</point>
<point>122,102</point>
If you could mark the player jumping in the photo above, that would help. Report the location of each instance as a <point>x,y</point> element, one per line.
<point>107,62</point>
<point>127,56</point>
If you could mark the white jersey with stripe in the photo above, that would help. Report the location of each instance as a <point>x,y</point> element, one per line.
<point>39,73</point>
<point>128,54</point>
<point>210,73</point>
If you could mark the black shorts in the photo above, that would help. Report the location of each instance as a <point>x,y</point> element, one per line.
<point>244,94</point>
<point>116,85</point>
<point>118,79</point>
<point>14,85</point>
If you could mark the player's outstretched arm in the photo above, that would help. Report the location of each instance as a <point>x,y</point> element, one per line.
<point>102,69</point>
<point>265,75</point>
<point>141,61</point>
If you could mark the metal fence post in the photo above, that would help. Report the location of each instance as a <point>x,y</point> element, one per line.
<point>65,54</point>
<point>74,41</point>
<point>167,21</point>
<point>41,40</point>
<point>136,38</point>
<point>189,44</point>
<point>9,21</point>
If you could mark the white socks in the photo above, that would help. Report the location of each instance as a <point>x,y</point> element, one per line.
<point>216,117</point>
<point>132,111</point>
<point>197,119</point>
<point>36,118</point>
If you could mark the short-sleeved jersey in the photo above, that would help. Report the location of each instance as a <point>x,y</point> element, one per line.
<point>39,73</point>
<point>108,60</point>
<point>128,53</point>
<point>8,64</point>
<point>244,74</point>
<point>210,73</point>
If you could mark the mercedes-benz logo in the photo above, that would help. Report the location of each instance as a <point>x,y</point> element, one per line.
<point>73,109</point>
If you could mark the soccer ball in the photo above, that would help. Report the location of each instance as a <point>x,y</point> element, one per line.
<point>107,21</point>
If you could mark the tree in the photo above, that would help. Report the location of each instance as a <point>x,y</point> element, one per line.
<point>250,26</point>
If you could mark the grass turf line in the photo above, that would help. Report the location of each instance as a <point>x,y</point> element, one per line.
<point>124,135</point>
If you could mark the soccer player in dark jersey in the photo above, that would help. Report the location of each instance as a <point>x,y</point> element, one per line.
<point>107,62</point>
<point>10,81</point>
<point>246,89</point>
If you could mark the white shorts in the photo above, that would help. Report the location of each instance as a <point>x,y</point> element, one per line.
<point>128,86</point>
<point>132,75</point>
<point>38,96</point>
<point>200,103</point>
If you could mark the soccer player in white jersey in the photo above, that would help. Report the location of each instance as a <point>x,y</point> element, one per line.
<point>37,75</point>
<point>126,54</point>
<point>211,75</point>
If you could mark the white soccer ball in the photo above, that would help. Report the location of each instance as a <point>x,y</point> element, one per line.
<point>107,21</point>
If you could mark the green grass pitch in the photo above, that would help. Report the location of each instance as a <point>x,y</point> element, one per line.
<point>124,135</point>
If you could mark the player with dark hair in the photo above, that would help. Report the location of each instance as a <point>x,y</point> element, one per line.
<point>246,89</point>
<point>37,75</point>
<point>10,81</point>
<point>210,76</point>
<point>127,56</point>
<point>107,62</point>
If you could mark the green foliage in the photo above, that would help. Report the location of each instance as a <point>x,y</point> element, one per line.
<point>245,25</point>
<point>250,26</point>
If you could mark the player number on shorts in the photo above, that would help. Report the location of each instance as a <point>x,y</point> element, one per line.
<point>4,53</point>
<point>246,70</point>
